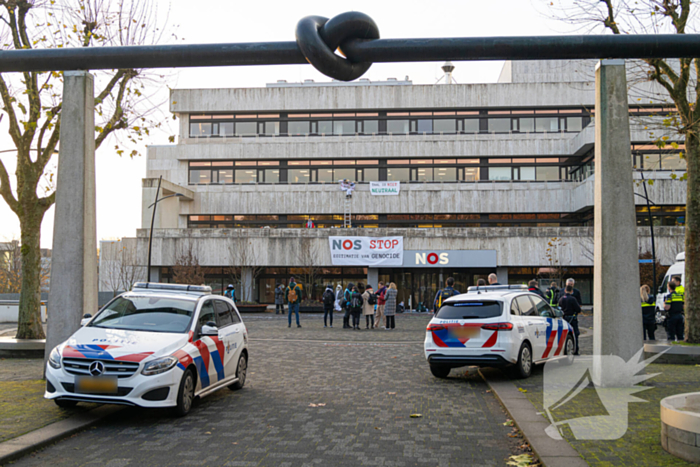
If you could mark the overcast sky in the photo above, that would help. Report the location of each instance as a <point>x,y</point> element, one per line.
<point>213,21</point>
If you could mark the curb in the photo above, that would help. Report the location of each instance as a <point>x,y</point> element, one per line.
<point>15,448</point>
<point>551,452</point>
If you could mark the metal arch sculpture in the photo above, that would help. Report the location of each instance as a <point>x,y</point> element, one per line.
<point>358,37</point>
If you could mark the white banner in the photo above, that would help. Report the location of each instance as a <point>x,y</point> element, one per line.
<point>366,251</point>
<point>384,188</point>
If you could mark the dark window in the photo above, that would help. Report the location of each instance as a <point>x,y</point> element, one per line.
<point>223,313</point>
<point>206,315</point>
<point>543,309</point>
<point>444,126</point>
<point>470,310</point>
<point>525,306</point>
<point>298,128</point>
<point>425,126</point>
<point>234,316</point>
<point>370,127</point>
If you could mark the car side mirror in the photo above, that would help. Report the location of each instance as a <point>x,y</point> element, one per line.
<point>86,319</point>
<point>210,329</point>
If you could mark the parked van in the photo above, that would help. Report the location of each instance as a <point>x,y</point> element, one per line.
<point>676,270</point>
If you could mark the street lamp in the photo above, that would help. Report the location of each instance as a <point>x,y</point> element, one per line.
<point>153,219</point>
<point>651,228</point>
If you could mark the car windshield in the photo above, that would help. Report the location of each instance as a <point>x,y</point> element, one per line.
<point>470,310</point>
<point>153,314</point>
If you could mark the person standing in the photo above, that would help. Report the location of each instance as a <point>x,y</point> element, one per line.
<point>576,293</point>
<point>493,279</point>
<point>571,308</point>
<point>356,302</point>
<point>347,295</point>
<point>230,292</point>
<point>674,306</point>
<point>381,302</point>
<point>279,299</point>
<point>338,298</point>
<point>328,303</point>
<point>369,301</point>
<point>293,299</point>
<point>532,288</point>
<point>481,283</point>
<point>390,306</point>
<point>648,312</point>
<point>444,294</point>
<point>552,294</point>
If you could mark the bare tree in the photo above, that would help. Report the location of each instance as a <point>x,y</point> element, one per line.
<point>187,269</point>
<point>553,255</point>
<point>32,108</point>
<point>676,80</point>
<point>10,267</point>
<point>245,266</point>
<point>307,259</point>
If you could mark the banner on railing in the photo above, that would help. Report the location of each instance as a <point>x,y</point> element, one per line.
<point>384,188</point>
<point>366,251</point>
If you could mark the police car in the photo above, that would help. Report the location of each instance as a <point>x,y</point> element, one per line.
<point>160,345</point>
<point>498,326</point>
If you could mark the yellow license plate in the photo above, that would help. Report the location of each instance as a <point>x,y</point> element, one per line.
<point>92,385</point>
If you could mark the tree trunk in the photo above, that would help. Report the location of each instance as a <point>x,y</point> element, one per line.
<point>692,242</point>
<point>29,323</point>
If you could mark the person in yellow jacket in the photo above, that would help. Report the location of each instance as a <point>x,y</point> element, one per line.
<point>674,306</point>
<point>648,312</point>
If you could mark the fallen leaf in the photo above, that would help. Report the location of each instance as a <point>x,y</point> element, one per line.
<point>321,405</point>
<point>488,390</point>
<point>235,442</point>
<point>416,415</point>
<point>377,428</point>
<point>207,432</point>
<point>313,405</point>
<point>522,390</point>
<point>508,423</point>
<point>523,460</point>
<point>391,393</point>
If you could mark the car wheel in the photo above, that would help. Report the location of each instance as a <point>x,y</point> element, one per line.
<point>440,371</point>
<point>65,404</point>
<point>185,395</point>
<point>523,368</point>
<point>569,349</point>
<point>241,372</point>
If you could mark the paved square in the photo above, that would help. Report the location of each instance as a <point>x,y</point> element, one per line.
<point>271,422</point>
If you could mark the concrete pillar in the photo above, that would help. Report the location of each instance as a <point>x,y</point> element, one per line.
<point>502,274</point>
<point>617,323</point>
<point>74,257</point>
<point>373,277</point>
<point>247,285</point>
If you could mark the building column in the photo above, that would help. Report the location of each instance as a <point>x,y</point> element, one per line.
<point>502,274</point>
<point>73,290</point>
<point>247,283</point>
<point>373,277</point>
<point>617,322</point>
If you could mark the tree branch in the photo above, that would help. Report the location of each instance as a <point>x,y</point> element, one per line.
<point>7,99</point>
<point>116,122</point>
<point>6,189</point>
<point>609,21</point>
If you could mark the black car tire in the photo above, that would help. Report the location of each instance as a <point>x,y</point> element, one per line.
<point>185,394</point>
<point>65,404</point>
<point>523,368</point>
<point>440,371</point>
<point>241,373</point>
<point>569,348</point>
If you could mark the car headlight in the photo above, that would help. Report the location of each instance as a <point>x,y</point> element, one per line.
<point>159,366</point>
<point>55,358</point>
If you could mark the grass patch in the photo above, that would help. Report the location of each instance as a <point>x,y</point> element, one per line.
<point>687,344</point>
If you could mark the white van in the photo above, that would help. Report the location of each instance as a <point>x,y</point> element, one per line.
<point>676,270</point>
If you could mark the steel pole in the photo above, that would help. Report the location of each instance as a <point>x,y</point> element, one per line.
<point>651,228</point>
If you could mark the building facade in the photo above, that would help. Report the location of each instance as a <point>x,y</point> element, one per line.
<point>493,177</point>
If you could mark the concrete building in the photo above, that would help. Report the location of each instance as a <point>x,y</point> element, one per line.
<point>498,176</point>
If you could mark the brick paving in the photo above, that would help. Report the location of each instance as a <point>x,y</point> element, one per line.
<point>271,421</point>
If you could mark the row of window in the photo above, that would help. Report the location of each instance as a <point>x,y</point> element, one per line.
<point>394,126</point>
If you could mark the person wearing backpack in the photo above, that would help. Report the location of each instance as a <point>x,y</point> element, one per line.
<point>370,299</point>
<point>345,302</point>
<point>328,302</point>
<point>381,303</point>
<point>356,302</point>
<point>444,294</point>
<point>230,292</point>
<point>293,295</point>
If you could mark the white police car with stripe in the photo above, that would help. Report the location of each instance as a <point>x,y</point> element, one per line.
<point>499,326</point>
<point>160,345</point>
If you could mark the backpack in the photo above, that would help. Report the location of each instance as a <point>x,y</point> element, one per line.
<point>347,295</point>
<point>356,301</point>
<point>292,294</point>
<point>328,298</point>
<point>444,295</point>
<point>372,299</point>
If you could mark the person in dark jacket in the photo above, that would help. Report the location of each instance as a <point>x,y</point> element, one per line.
<point>552,294</point>
<point>648,312</point>
<point>279,299</point>
<point>328,303</point>
<point>230,292</point>
<point>675,307</point>
<point>345,303</point>
<point>493,279</point>
<point>571,308</point>
<point>532,287</point>
<point>356,302</point>
<point>444,294</point>
<point>576,293</point>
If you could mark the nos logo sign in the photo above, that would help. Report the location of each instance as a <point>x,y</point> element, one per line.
<point>432,258</point>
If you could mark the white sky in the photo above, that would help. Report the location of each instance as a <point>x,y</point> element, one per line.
<point>119,178</point>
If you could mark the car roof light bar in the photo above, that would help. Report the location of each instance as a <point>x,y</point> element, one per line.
<point>492,288</point>
<point>202,289</point>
